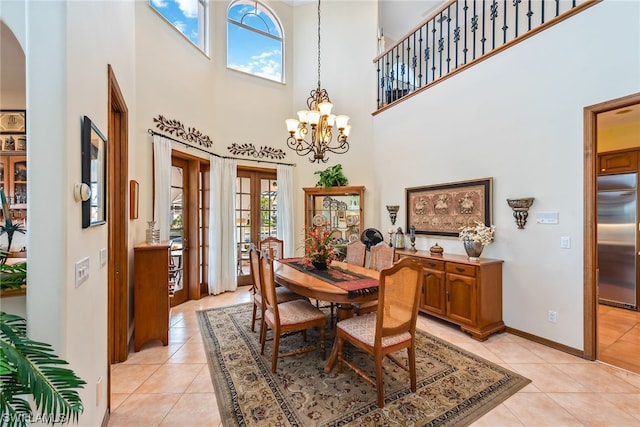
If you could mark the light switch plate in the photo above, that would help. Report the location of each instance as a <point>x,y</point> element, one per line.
<point>565,242</point>
<point>82,271</point>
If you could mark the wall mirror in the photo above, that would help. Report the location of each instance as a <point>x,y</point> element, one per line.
<point>94,166</point>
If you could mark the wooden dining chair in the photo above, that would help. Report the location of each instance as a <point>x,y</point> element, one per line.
<point>274,245</point>
<point>290,316</point>
<point>282,294</point>
<point>390,329</point>
<point>381,257</point>
<point>356,253</point>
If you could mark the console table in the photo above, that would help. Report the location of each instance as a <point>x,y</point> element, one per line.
<point>467,293</point>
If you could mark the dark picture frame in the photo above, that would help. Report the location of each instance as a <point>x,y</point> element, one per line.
<point>443,209</point>
<point>13,121</point>
<point>134,190</point>
<point>94,174</point>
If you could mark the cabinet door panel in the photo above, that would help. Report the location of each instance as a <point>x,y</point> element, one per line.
<point>461,298</point>
<point>434,298</point>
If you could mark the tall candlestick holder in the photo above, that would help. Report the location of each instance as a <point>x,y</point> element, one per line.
<point>391,231</point>
<point>412,237</point>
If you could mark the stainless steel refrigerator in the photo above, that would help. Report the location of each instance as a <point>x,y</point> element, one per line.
<point>617,237</point>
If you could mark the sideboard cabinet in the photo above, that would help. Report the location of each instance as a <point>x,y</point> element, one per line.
<point>342,208</point>
<point>466,293</point>
<point>13,181</point>
<point>151,293</point>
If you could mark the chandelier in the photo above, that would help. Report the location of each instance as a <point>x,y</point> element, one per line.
<point>318,124</point>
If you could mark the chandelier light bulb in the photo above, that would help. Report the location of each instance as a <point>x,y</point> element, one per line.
<point>325,108</point>
<point>302,116</point>
<point>341,121</point>
<point>313,117</point>
<point>346,130</point>
<point>292,125</point>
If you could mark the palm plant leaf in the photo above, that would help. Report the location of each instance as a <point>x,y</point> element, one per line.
<point>31,367</point>
<point>13,276</point>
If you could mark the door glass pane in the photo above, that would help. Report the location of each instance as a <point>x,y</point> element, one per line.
<point>243,224</point>
<point>176,231</point>
<point>268,208</point>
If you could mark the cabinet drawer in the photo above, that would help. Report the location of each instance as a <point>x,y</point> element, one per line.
<point>467,270</point>
<point>433,264</point>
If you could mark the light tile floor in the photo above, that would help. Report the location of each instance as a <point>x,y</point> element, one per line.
<point>619,337</point>
<point>170,386</point>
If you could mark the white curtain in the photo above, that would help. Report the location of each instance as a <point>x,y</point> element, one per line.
<point>285,209</point>
<point>223,256</point>
<point>162,187</point>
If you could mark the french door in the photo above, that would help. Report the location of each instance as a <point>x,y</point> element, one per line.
<point>256,216</point>
<point>178,235</point>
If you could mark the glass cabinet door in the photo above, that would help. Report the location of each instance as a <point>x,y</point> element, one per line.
<point>342,208</point>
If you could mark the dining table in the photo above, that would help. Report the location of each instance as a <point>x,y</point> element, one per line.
<point>343,284</point>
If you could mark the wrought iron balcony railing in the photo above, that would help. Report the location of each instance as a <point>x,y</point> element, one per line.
<point>459,34</point>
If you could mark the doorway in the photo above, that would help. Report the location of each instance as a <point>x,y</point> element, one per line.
<point>605,325</point>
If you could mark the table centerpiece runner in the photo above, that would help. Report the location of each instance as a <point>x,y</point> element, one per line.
<point>355,284</point>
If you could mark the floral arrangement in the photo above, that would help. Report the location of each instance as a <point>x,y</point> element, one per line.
<point>477,233</point>
<point>317,245</point>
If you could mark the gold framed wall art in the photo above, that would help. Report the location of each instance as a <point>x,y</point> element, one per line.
<point>443,209</point>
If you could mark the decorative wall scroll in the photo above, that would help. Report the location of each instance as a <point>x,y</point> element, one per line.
<point>190,134</point>
<point>444,208</point>
<point>249,149</point>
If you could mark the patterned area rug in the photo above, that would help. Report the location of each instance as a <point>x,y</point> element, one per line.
<point>454,387</point>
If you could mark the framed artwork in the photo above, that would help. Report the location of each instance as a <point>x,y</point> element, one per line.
<point>94,173</point>
<point>134,189</point>
<point>443,209</point>
<point>13,121</point>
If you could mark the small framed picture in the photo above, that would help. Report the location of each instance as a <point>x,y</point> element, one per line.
<point>13,121</point>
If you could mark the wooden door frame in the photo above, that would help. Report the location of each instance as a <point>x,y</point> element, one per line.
<point>117,224</point>
<point>590,217</point>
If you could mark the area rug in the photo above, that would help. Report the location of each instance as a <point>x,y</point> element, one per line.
<point>454,387</point>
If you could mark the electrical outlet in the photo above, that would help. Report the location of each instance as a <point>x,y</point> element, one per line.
<point>82,271</point>
<point>552,316</point>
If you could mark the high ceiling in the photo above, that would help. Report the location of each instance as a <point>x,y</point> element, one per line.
<point>397,18</point>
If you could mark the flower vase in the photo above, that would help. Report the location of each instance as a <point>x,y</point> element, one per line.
<point>319,265</point>
<point>473,249</point>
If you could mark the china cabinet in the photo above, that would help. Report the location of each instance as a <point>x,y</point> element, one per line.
<point>467,293</point>
<point>342,208</point>
<point>13,181</point>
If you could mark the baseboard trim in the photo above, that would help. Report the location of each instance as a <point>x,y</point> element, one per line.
<point>546,342</point>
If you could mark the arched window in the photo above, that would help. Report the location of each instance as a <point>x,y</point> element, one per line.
<point>254,40</point>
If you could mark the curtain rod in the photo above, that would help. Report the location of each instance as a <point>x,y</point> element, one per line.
<point>153,132</point>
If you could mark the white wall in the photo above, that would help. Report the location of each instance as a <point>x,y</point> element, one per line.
<point>348,46</point>
<point>517,117</point>
<point>68,46</point>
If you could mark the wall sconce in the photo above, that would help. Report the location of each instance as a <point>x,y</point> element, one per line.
<point>520,209</point>
<point>393,213</point>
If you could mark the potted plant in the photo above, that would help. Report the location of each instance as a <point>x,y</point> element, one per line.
<point>475,237</point>
<point>317,249</point>
<point>31,368</point>
<point>331,177</point>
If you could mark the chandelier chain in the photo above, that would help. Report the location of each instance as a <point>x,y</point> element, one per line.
<point>319,44</point>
